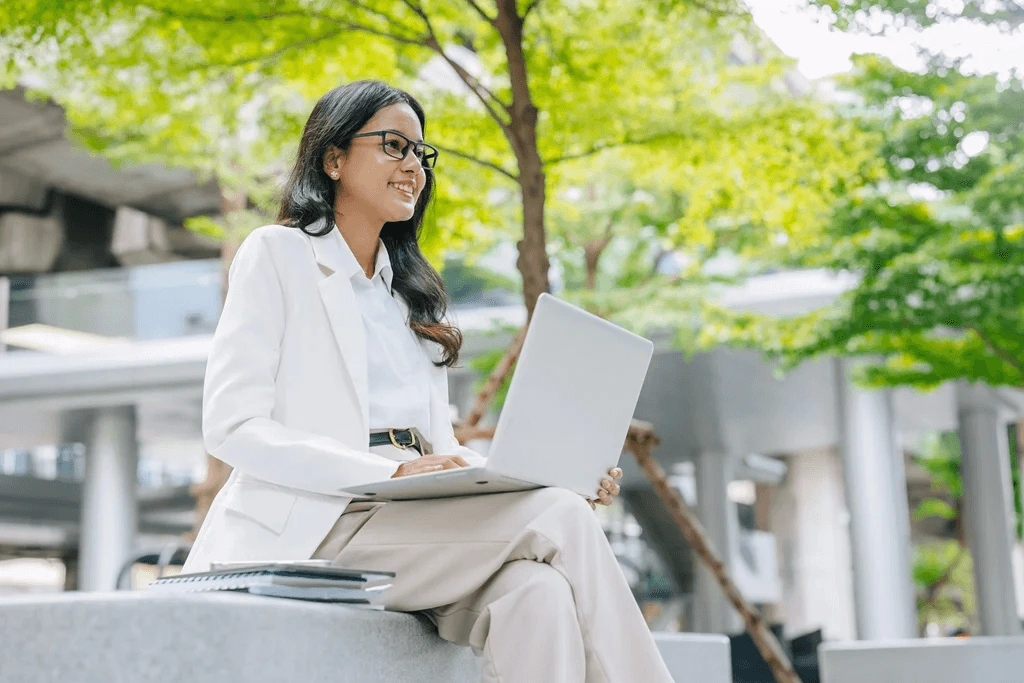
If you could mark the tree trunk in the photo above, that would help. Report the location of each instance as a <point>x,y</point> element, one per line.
<point>640,441</point>
<point>495,380</point>
<point>533,258</point>
<point>522,135</point>
<point>593,249</point>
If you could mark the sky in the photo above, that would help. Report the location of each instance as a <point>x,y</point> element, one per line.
<point>820,52</point>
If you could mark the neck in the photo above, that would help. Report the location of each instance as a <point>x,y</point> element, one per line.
<point>362,234</point>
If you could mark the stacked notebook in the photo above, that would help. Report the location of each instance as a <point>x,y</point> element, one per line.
<point>311,580</point>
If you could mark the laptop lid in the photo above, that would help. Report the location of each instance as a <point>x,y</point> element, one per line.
<point>571,399</point>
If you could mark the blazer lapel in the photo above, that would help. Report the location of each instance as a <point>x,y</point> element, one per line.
<point>343,313</point>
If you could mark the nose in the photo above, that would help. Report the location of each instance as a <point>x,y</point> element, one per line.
<point>411,163</point>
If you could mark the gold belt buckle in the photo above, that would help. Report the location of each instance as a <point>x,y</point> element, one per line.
<point>402,446</point>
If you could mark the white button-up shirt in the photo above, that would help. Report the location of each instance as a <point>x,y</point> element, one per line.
<point>397,364</point>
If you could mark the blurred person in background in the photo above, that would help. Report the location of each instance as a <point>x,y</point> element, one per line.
<point>329,369</point>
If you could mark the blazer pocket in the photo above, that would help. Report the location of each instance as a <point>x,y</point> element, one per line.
<point>267,506</point>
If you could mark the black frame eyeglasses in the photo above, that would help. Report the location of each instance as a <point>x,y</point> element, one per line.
<point>391,141</point>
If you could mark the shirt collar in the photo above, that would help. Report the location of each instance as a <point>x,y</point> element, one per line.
<point>350,266</point>
<point>383,266</point>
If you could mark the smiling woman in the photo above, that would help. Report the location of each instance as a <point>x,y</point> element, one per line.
<point>354,152</point>
<point>328,370</point>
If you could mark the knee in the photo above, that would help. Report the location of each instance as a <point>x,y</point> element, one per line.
<point>545,587</point>
<point>565,502</point>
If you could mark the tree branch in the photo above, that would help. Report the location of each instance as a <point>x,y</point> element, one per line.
<point>290,14</point>
<point>640,441</point>
<point>998,350</point>
<point>284,14</point>
<point>602,146</point>
<point>488,164</point>
<point>479,10</point>
<point>530,8</point>
<point>478,88</point>
<point>486,97</point>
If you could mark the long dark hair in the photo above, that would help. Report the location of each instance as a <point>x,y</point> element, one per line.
<point>309,196</point>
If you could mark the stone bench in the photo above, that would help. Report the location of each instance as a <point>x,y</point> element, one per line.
<point>136,637</point>
<point>928,660</point>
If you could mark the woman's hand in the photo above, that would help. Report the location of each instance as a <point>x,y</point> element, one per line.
<point>429,463</point>
<point>608,489</point>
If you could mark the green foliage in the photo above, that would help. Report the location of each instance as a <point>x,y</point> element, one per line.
<point>940,277</point>
<point>939,456</point>
<point>942,572</point>
<point>1015,476</point>
<point>464,280</point>
<point>647,96</point>
<point>921,13</point>
<point>934,507</point>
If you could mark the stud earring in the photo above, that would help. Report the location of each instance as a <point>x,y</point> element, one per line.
<point>334,175</point>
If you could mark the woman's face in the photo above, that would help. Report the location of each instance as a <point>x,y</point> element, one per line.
<point>370,182</point>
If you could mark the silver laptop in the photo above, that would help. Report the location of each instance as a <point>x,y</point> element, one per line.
<point>565,419</point>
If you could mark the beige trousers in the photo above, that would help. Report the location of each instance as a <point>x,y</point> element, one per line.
<point>526,579</point>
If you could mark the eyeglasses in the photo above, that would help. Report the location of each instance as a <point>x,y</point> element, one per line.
<point>397,146</point>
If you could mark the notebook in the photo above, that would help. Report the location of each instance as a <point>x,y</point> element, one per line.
<point>299,581</point>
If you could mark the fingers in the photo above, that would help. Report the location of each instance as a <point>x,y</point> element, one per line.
<point>608,487</point>
<point>593,506</point>
<point>460,460</point>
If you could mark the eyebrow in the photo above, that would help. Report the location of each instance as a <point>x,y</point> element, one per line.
<point>392,130</point>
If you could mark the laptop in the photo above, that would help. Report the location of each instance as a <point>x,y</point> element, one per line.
<point>565,418</point>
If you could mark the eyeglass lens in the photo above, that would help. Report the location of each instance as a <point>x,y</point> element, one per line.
<point>397,146</point>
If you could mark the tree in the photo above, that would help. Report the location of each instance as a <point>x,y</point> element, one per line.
<point>548,89</point>
<point>937,240</point>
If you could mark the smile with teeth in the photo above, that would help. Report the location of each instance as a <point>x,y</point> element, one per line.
<point>405,188</point>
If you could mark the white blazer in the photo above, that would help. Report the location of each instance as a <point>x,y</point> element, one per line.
<point>285,401</point>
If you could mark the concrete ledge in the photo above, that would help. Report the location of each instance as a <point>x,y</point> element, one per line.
<point>695,658</point>
<point>939,660</point>
<point>140,637</point>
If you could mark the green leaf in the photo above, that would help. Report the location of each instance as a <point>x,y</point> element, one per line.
<point>934,507</point>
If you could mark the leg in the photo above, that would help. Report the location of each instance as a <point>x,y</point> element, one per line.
<point>523,621</point>
<point>443,550</point>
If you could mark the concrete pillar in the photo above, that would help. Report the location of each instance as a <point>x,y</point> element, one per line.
<point>811,524</point>
<point>989,519</point>
<point>876,496</point>
<point>712,611</point>
<point>5,311</point>
<point>109,504</point>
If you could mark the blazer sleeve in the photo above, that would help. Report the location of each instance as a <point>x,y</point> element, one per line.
<point>468,454</point>
<point>239,391</point>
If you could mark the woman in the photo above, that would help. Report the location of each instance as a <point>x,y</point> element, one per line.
<point>332,336</point>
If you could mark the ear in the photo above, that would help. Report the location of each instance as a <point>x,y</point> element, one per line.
<point>334,159</point>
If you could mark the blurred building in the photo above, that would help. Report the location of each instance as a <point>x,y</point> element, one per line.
<point>92,258</point>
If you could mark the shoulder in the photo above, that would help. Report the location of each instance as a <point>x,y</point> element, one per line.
<point>275,244</point>
<point>273,236</point>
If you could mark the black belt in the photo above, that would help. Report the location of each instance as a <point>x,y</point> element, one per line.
<point>399,438</point>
